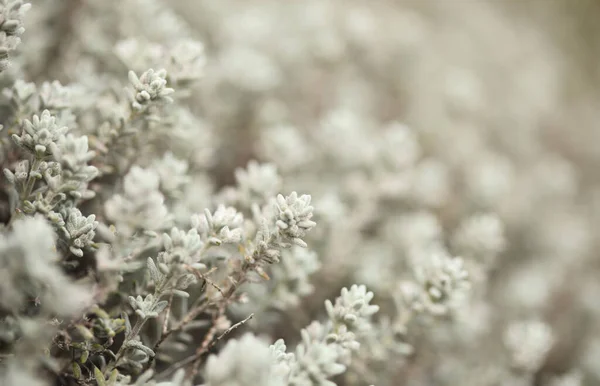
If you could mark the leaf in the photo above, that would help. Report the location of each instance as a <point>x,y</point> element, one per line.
<point>76,370</point>
<point>140,346</point>
<point>99,377</point>
<point>155,275</point>
<point>85,332</point>
<point>112,380</point>
<point>127,323</point>
<point>160,306</point>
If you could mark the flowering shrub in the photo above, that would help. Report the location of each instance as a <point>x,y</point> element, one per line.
<point>278,193</point>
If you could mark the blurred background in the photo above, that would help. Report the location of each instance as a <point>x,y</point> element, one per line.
<point>466,127</point>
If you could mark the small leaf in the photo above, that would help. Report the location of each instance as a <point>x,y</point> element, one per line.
<point>100,312</point>
<point>140,346</point>
<point>112,380</point>
<point>154,273</point>
<point>84,356</point>
<point>160,306</point>
<point>180,293</point>
<point>99,377</point>
<point>127,323</point>
<point>76,370</point>
<point>85,332</point>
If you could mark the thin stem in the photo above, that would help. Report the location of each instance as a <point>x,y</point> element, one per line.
<point>197,309</point>
<point>26,192</point>
<point>30,183</point>
<point>135,330</point>
<point>167,315</point>
<point>212,342</point>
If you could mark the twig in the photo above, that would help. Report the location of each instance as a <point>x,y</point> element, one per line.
<point>165,329</point>
<point>210,343</point>
<point>202,276</point>
<point>207,338</point>
<point>237,325</point>
<point>197,308</point>
<point>167,315</point>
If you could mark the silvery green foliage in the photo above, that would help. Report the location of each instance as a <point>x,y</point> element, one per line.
<point>442,284</point>
<point>224,226</point>
<point>293,217</point>
<point>173,173</point>
<point>150,87</point>
<point>246,361</point>
<point>324,91</point>
<point>290,282</point>
<point>182,251</point>
<point>40,134</point>
<point>324,352</point>
<point>30,268</point>
<point>61,101</point>
<point>256,183</point>
<point>147,307</point>
<point>281,359</point>
<point>182,247</point>
<point>184,61</point>
<point>20,93</point>
<point>292,277</point>
<point>140,206</point>
<point>54,96</point>
<point>73,155</point>
<point>78,229</point>
<point>528,342</point>
<point>326,349</point>
<point>11,28</point>
<point>20,176</point>
<point>315,361</point>
<point>352,308</point>
<point>59,161</point>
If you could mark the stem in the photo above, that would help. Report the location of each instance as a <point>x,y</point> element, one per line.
<point>26,192</point>
<point>165,327</point>
<point>135,330</point>
<point>197,309</point>
<point>132,334</point>
<point>210,343</point>
<point>30,183</point>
